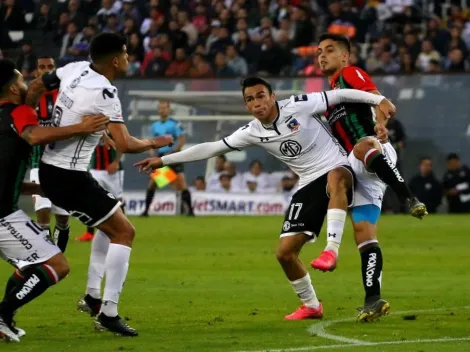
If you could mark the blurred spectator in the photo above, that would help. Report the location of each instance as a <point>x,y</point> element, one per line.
<point>112,24</point>
<point>44,18</point>
<point>199,184</point>
<point>133,68</point>
<point>222,70</point>
<point>242,25</point>
<point>247,49</point>
<point>180,66</point>
<point>187,27</point>
<point>157,66</point>
<point>108,7</point>
<point>413,45</point>
<point>154,22</point>
<point>237,178</point>
<point>387,63</point>
<point>201,69</point>
<point>134,46</point>
<point>354,60</point>
<point>129,27</point>
<point>256,174</point>
<point>288,186</point>
<point>265,28</point>
<point>220,44</point>
<point>61,29</point>
<point>213,179</point>
<point>271,59</point>
<point>157,27</point>
<point>236,62</point>
<point>226,185</point>
<point>456,185</point>
<point>456,41</point>
<point>155,43</point>
<point>226,20</point>
<point>373,62</point>
<point>340,21</point>
<point>402,11</point>
<point>397,137</point>
<point>304,30</point>
<point>12,15</point>
<point>27,60</point>
<point>427,54</point>
<point>426,187</point>
<point>200,19</point>
<point>435,66</point>
<point>177,36</point>
<point>251,184</point>
<point>72,38</point>
<point>129,11</point>
<point>455,61</point>
<point>75,14</point>
<point>439,37</point>
<point>408,64</point>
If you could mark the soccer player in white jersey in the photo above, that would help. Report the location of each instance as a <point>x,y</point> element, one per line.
<point>87,89</point>
<point>289,130</point>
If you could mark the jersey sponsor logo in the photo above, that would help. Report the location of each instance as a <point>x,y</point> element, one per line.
<point>15,233</point>
<point>107,93</point>
<point>290,148</point>
<point>64,99</point>
<point>371,263</point>
<point>300,97</point>
<point>286,226</point>
<point>28,287</point>
<point>293,125</point>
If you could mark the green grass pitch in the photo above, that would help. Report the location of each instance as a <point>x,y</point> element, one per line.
<point>213,284</point>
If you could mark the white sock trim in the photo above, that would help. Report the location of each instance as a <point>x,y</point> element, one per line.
<point>365,243</point>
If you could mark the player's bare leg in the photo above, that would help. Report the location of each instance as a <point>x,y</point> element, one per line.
<point>340,182</point>
<point>287,254</point>
<point>43,218</point>
<point>369,151</point>
<point>61,231</point>
<point>365,219</point>
<point>30,284</point>
<point>121,235</point>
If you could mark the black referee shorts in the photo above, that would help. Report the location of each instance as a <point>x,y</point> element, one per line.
<point>78,193</point>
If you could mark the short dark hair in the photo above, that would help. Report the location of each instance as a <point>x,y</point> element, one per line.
<point>252,81</point>
<point>7,74</point>
<point>201,178</point>
<point>223,157</point>
<point>104,45</point>
<point>45,57</point>
<point>453,156</point>
<point>254,162</point>
<point>341,39</point>
<point>424,158</point>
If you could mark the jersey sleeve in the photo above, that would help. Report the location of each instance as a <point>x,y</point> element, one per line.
<point>310,103</point>
<point>358,79</point>
<point>52,79</point>
<point>239,139</point>
<point>108,103</point>
<point>23,116</point>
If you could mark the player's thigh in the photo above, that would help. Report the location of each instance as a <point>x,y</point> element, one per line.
<point>118,228</point>
<point>23,242</point>
<point>342,178</point>
<point>79,194</point>
<point>307,210</point>
<point>365,219</point>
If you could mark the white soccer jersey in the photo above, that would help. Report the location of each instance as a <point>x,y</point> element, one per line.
<point>296,137</point>
<point>83,91</point>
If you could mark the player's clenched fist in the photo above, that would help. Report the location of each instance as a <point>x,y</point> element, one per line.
<point>387,107</point>
<point>94,123</point>
<point>162,141</point>
<point>149,164</point>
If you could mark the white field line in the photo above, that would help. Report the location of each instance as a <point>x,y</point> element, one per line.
<point>318,329</point>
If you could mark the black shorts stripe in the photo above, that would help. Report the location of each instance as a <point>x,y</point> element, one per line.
<point>228,145</point>
<point>36,226</point>
<point>33,228</point>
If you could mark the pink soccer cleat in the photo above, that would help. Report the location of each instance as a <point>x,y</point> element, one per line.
<point>306,313</point>
<point>326,261</point>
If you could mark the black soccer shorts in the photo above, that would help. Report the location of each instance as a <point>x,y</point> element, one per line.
<point>78,193</point>
<point>308,207</point>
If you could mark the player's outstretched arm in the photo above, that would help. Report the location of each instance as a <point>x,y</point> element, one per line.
<point>125,143</point>
<point>34,134</point>
<point>198,152</point>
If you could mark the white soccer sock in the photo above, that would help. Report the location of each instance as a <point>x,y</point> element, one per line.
<point>335,227</point>
<point>117,264</point>
<point>304,289</point>
<point>99,250</point>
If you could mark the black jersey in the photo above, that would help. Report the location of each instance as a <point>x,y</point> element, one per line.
<point>14,153</point>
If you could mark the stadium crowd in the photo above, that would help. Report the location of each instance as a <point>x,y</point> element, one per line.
<point>226,38</point>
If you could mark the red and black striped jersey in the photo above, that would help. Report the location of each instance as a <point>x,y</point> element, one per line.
<point>14,153</point>
<point>102,157</point>
<point>351,122</point>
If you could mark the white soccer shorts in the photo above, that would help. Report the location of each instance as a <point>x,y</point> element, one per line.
<point>370,189</point>
<point>23,242</point>
<point>41,202</point>
<point>112,183</point>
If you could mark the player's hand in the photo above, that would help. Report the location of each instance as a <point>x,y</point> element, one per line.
<point>113,168</point>
<point>108,141</point>
<point>149,164</point>
<point>162,141</point>
<point>93,123</point>
<point>387,108</point>
<point>382,133</point>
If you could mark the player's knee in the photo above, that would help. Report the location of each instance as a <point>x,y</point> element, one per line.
<point>128,233</point>
<point>60,265</point>
<point>284,255</point>
<point>363,146</point>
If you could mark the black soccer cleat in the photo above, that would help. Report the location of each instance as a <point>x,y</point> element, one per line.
<point>115,324</point>
<point>417,208</point>
<point>373,310</point>
<point>90,305</point>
